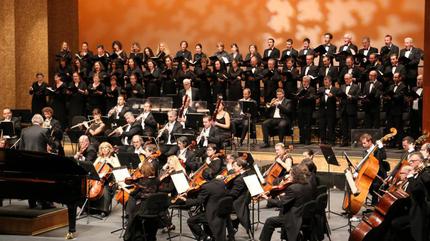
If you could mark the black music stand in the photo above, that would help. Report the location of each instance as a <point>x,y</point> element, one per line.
<point>7,128</point>
<point>91,175</point>
<point>330,158</point>
<point>130,160</point>
<point>160,117</point>
<point>194,121</point>
<point>250,109</point>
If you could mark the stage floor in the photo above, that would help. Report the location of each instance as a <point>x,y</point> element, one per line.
<point>101,229</point>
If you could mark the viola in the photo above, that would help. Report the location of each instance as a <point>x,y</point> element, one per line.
<point>123,194</point>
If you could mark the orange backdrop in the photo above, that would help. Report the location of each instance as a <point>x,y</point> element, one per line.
<point>246,22</point>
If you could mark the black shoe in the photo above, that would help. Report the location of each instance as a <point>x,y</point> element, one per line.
<point>265,145</point>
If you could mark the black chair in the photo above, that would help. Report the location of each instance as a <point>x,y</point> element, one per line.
<point>322,223</point>
<point>152,212</point>
<point>180,209</point>
<point>307,230</point>
<point>273,133</point>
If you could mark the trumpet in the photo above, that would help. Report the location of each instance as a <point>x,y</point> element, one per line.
<point>82,123</point>
<point>272,102</point>
<point>117,129</point>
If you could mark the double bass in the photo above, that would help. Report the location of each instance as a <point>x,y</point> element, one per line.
<point>367,173</point>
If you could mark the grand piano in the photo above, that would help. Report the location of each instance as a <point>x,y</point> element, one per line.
<point>42,176</point>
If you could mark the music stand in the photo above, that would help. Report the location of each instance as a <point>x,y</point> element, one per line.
<point>330,158</point>
<point>124,169</point>
<point>249,157</point>
<point>91,175</point>
<point>160,117</point>
<point>250,109</point>
<point>194,121</point>
<point>7,128</point>
<point>130,160</point>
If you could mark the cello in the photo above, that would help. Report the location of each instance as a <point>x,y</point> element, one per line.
<point>367,173</point>
<point>96,187</point>
<point>274,171</point>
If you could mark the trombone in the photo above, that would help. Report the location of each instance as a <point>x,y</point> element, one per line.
<point>82,124</point>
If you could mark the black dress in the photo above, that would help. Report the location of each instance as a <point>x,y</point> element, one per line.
<point>112,96</point>
<point>235,85</point>
<point>219,85</point>
<point>223,133</point>
<point>181,75</point>
<point>168,82</point>
<point>58,103</point>
<point>96,97</point>
<point>203,82</point>
<point>152,83</point>
<point>38,102</point>
<point>77,100</point>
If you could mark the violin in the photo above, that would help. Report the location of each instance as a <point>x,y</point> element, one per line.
<point>123,194</point>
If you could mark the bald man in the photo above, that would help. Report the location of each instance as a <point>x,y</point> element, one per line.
<point>347,47</point>
<point>348,108</point>
<point>410,56</point>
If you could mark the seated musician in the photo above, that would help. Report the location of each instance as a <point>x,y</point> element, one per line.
<point>87,151</point>
<point>380,154</point>
<point>136,145</point>
<point>184,110</point>
<point>414,224</point>
<point>192,92</point>
<point>3,143</point>
<point>240,194</point>
<point>283,157</point>
<point>309,153</point>
<point>243,122</point>
<point>116,114</point>
<point>7,116</point>
<point>126,132</point>
<point>97,127</point>
<point>222,124</point>
<point>209,195</point>
<point>151,154</point>
<point>425,150</point>
<point>146,185</point>
<point>186,155</point>
<point>313,179</point>
<point>279,117</point>
<point>165,135</point>
<point>408,145</point>
<point>212,158</point>
<point>208,133</point>
<point>147,120</point>
<point>54,126</point>
<point>290,204</point>
<point>228,164</point>
<point>105,156</point>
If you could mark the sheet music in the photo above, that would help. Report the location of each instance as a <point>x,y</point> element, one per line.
<point>225,60</point>
<point>253,185</point>
<point>259,175</point>
<point>121,174</point>
<point>180,182</point>
<point>351,182</point>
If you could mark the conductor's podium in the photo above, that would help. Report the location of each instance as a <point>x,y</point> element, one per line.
<point>20,220</point>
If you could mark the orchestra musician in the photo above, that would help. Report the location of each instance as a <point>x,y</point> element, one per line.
<point>87,151</point>
<point>97,127</point>
<point>425,150</point>
<point>208,134</point>
<point>209,195</point>
<point>408,146</point>
<point>55,133</point>
<point>8,117</point>
<point>192,92</point>
<point>147,120</point>
<point>186,155</point>
<point>280,117</point>
<point>117,112</point>
<point>107,156</point>
<point>127,131</point>
<point>150,155</point>
<point>414,225</point>
<point>244,121</point>
<point>240,194</point>
<point>165,135</point>
<point>291,205</point>
<point>185,109</point>
<point>222,124</point>
<point>136,145</point>
<point>145,186</point>
<point>39,92</point>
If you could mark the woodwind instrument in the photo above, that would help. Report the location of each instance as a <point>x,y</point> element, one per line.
<point>181,111</point>
<point>82,123</point>
<point>117,129</point>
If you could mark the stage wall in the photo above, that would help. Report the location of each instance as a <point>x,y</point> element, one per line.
<point>246,22</point>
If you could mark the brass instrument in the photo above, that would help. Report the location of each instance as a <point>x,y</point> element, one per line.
<point>272,102</point>
<point>82,123</point>
<point>117,129</point>
<point>46,124</point>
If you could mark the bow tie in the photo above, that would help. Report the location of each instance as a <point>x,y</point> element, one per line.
<point>348,85</point>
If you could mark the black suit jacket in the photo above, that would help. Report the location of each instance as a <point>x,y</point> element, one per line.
<point>348,106</point>
<point>34,138</point>
<point>332,72</point>
<point>356,73</point>
<point>386,52</point>
<point>90,153</point>
<point>135,129</point>
<point>412,65</point>
<point>347,48</point>
<point>191,164</point>
<point>150,125</point>
<point>270,80</point>
<point>275,54</point>
<point>194,92</point>
<point>372,50</point>
<point>285,109</point>
<point>330,53</point>
<point>328,106</point>
<point>177,128</point>
<point>240,194</point>
<point>306,98</point>
<point>291,204</point>
<point>397,100</point>
<point>372,101</point>
<point>400,68</point>
<point>287,53</point>
<point>209,195</point>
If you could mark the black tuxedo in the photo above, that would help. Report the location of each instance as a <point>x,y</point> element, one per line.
<point>209,195</point>
<point>330,52</point>
<point>304,52</point>
<point>348,111</point>
<point>281,124</point>
<point>372,104</point>
<point>150,125</point>
<point>305,109</point>
<point>271,79</point>
<point>172,148</point>
<point>253,82</point>
<point>135,129</point>
<point>289,53</point>
<point>290,215</point>
<point>412,65</point>
<point>34,138</point>
<point>185,54</point>
<point>312,70</point>
<point>355,72</point>
<point>327,114</point>
<point>191,164</point>
<point>194,94</point>
<point>90,153</point>
<point>289,81</point>
<point>240,194</point>
<point>350,49</point>
<point>386,52</point>
<point>417,114</point>
<point>365,61</point>
<point>388,73</point>
<point>275,54</point>
<point>332,72</point>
